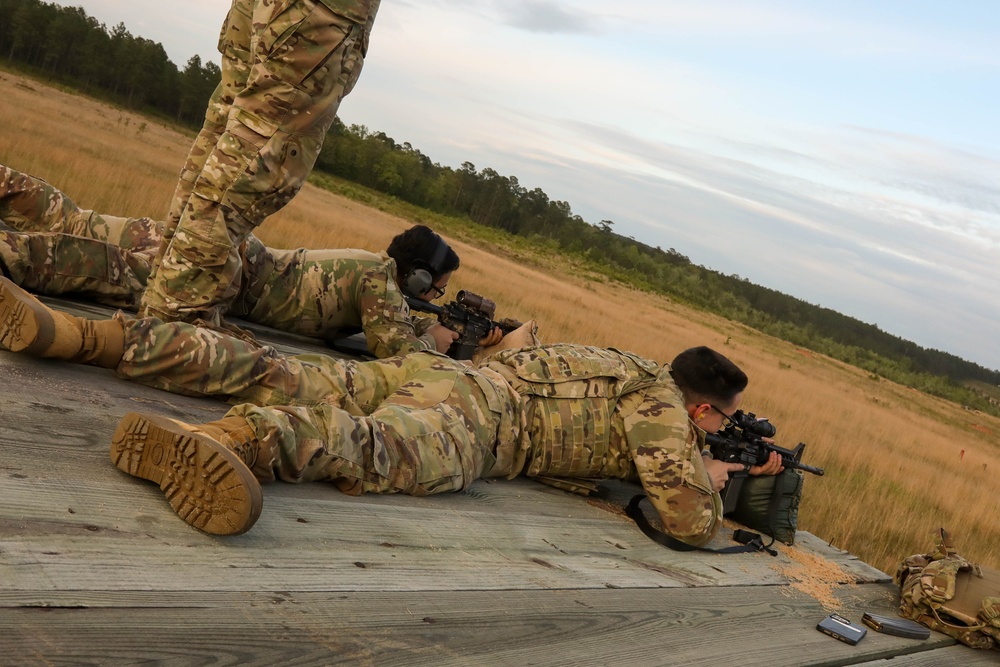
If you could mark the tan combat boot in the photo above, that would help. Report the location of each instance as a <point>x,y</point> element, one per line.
<point>204,470</point>
<point>27,325</point>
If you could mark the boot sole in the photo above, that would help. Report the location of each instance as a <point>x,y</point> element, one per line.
<point>206,484</point>
<point>25,323</point>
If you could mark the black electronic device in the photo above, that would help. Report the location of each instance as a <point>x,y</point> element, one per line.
<point>841,628</point>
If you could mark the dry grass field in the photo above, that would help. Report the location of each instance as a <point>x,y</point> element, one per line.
<point>899,463</point>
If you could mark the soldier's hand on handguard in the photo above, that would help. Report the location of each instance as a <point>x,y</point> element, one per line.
<point>443,336</point>
<point>718,472</point>
<point>772,467</point>
<point>492,338</point>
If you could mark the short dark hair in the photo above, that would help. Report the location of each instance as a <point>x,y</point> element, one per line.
<point>414,249</point>
<point>704,375</point>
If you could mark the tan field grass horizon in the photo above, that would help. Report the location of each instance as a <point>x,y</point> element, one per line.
<point>899,463</point>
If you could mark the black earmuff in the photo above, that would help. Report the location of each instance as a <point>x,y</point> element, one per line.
<point>421,276</point>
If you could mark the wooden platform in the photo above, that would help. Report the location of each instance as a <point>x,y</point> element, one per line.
<point>96,569</point>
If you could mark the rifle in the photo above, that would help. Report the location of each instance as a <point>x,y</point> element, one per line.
<point>743,442</point>
<point>470,315</point>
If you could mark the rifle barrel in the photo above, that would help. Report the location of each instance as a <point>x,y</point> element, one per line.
<point>424,306</point>
<point>806,468</point>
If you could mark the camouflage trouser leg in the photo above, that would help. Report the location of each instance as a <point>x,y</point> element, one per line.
<point>417,424</point>
<point>196,361</point>
<point>64,264</point>
<point>29,204</point>
<point>300,53</point>
<point>309,292</point>
<point>436,432</point>
<point>234,45</point>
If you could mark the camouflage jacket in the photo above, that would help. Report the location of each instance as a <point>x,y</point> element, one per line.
<point>591,413</point>
<point>326,293</point>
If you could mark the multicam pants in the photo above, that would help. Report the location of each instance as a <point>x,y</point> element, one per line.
<point>418,424</point>
<point>286,65</point>
<point>61,249</point>
<point>65,249</point>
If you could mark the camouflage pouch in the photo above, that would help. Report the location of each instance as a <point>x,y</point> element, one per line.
<point>949,594</point>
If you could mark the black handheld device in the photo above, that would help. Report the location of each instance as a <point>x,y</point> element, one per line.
<point>841,628</point>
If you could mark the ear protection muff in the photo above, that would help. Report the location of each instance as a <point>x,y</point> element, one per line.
<point>421,276</point>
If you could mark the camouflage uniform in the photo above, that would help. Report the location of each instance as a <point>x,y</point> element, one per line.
<point>286,64</point>
<point>67,249</point>
<point>321,293</point>
<point>29,204</point>
<point>315,293</point>
<point>425,423</point>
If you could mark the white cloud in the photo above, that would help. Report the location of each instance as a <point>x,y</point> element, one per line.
<point>847,154</point>
<point>546,16</point>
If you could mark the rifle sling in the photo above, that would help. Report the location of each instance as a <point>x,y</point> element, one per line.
<point>753,541</point>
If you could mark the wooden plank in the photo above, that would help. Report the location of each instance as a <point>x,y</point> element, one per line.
<point>92,509</point>
<point>807,542</point>
<point>951,656</point>
<point>761,625</point>
<point>354,553</point>
<point>616,494</point>
<point>95,567</point>
<point>52,402</point>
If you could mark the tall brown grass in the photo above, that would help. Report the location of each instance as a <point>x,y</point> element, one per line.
<point>899,463</point>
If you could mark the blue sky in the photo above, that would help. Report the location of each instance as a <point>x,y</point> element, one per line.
<point>846,153</point>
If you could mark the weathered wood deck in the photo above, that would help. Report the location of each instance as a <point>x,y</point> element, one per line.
<point>96,569</point>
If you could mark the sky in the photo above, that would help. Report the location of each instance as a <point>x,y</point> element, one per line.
<point>846,153</point>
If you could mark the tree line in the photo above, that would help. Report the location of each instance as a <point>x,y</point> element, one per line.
<point>65,44</point>
<point>488,198</point>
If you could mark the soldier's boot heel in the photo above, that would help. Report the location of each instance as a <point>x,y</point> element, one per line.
<point>26,324</point>
<point>206,484</point>
<point>29,326</point>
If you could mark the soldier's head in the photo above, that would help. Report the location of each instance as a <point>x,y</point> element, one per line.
<point>424,262</point>
<point>712,386</point>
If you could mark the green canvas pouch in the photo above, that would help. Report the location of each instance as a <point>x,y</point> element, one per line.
<point>770,504</point>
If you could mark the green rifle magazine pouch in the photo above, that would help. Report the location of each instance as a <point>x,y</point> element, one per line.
<point>949,594</point>
<point>770,504</point>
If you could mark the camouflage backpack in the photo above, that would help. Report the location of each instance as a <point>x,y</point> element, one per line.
<point>949,594</point>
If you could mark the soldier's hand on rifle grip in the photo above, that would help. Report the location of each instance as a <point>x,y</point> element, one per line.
<point>772,467</point>
<point>718,472</point>
<point>443,337</point>
<point>492,338</point>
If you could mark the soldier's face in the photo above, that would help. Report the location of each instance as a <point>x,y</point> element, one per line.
<point>713,418</point>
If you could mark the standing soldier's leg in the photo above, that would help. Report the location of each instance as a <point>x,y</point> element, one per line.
<point>234,45</point>
<point>302,58</point>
